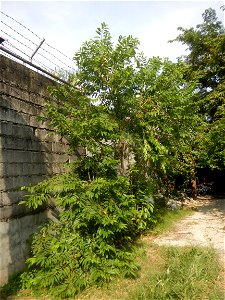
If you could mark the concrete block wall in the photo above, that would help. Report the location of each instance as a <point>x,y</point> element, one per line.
<point>28,154</point>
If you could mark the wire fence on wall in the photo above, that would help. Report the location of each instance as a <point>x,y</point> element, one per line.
<point>25,44</point>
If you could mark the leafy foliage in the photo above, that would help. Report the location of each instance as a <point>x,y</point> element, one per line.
<point>91,240</point>
<point>205,66</point>
<point>12,287</point>
<point>124,123</point>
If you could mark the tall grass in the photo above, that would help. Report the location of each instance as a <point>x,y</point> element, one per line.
<point>189,273</point>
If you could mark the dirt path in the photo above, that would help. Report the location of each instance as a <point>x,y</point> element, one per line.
<point>206,227</point>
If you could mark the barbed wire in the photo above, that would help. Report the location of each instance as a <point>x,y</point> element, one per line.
<point>59,51</point>
<point>7,34</point>
<point>54,56</point>
<point>18,33</point>
<point>18,58</point>
<point>43,65</point>
<point>39,54</point>
<point>14,47</point>
<point>35,35</point>
<point>9,53</point>
<point>10,50</point>
<point>23,46</point>
<point>20,24</point>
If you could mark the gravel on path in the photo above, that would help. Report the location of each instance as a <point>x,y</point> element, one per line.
<point>206,227</point>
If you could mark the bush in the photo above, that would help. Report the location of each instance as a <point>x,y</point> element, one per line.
<point>92,240</point>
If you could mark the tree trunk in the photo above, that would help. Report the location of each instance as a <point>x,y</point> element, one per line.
<point>122,158</point>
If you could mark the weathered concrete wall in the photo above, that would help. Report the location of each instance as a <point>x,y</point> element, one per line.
<point>28,154</point>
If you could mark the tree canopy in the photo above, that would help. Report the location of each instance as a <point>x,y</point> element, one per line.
<point>206,66</point>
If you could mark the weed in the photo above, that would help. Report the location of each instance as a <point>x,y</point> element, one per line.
<point>189,273</point>
<point>12,287</point>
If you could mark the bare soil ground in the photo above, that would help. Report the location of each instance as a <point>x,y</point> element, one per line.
<point>206,227</point>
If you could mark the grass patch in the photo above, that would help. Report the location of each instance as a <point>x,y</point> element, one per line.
<point>167,273</point>
<point>188,273</point>
<point>166,219</point>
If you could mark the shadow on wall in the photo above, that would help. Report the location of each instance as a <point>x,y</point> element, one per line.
<point>22,163</point>
<point>28,154</point>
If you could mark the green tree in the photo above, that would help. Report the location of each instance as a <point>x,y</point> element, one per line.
<point>205,65</point>
<point>128,116</point>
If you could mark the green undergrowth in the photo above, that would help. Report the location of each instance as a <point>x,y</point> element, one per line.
<point>12,287</point>
<point>164,221</point>
<point>165,273</point>
<point>188,273</point>
<point>167,219</point>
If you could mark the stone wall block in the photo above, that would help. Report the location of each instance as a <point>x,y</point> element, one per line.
<point>9,142</point>
<point>58,168</point>
<point>11,115</point>
<point>6,128</point>
<point>47,147</point>
<point>2,169</point>
<point>14,210</point>
<point>15,143</point>
<point>11,197</point>
<point>35,98</point>
<point>36,156</point>
<point>60,148</point>
<point>7,114</point>
<point>33,145</point>
<point>2,184</point>
<point>4,274</point>
<point>21,156</point>
<point>44,125</point>
<point>33,122</point>
<point>12,169</point>
<point>22,131</point>
<point>29,108</point>
<point>42,134</point>
<point>28,168</point>
<point>4,229</point>
<point>49,168</point>
<point>4,101</point>
<point>16,240</point>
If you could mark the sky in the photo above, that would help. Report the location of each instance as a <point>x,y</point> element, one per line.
<point>67,24</point>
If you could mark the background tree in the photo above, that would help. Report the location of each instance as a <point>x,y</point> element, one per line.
<point>206,66</point>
